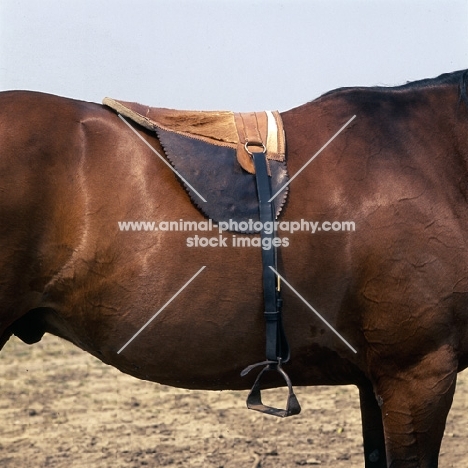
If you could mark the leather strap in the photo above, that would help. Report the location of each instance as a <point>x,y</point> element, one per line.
<point>248,127</point>
<point>276,344</point>
<point>277,348</point>
<point>252,129</point>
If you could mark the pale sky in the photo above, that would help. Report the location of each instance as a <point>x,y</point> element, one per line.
<point>239,55</point>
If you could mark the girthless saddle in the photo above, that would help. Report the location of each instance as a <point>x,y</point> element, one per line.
<point>211,151</point>
<point>238,162</point>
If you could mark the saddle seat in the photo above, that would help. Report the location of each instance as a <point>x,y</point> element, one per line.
<point>210,150</point>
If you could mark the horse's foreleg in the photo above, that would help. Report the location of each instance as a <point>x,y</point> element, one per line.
<point>415,403</point>
<point>372,429</point>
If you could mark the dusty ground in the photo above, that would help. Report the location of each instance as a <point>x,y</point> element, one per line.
<point>62,408</point>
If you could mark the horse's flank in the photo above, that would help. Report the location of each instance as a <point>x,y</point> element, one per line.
<point>395,288</point>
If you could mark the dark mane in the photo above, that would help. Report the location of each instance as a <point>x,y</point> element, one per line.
<point>460,77</point>
<point>444,79</point>
<point>463,87</point>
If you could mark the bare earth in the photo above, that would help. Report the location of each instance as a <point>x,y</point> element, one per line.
<point>62,408</point>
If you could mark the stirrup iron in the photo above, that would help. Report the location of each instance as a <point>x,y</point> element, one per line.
<point>254,399</point>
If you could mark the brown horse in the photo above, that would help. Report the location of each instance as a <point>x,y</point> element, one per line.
<point>396,288</point>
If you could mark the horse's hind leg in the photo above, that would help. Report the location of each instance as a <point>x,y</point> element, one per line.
<point>415,403</point>
<point>372,428</point>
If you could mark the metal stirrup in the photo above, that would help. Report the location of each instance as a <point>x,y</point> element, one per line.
<point>254,399</point>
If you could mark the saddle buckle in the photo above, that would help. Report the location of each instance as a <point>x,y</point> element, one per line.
<point>258,145</point>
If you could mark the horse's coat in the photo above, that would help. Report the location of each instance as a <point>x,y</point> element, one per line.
<point>396,288</point>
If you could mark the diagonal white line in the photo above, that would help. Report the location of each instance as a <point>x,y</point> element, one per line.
<point>161,309</point>
<point>313,310</point>
<point>312,158</point>
<point>159,155</point>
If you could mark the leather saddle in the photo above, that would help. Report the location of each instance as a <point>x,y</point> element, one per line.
<point>212,151</point>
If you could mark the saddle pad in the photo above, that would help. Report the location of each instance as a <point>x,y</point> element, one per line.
<point>208,150</point>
